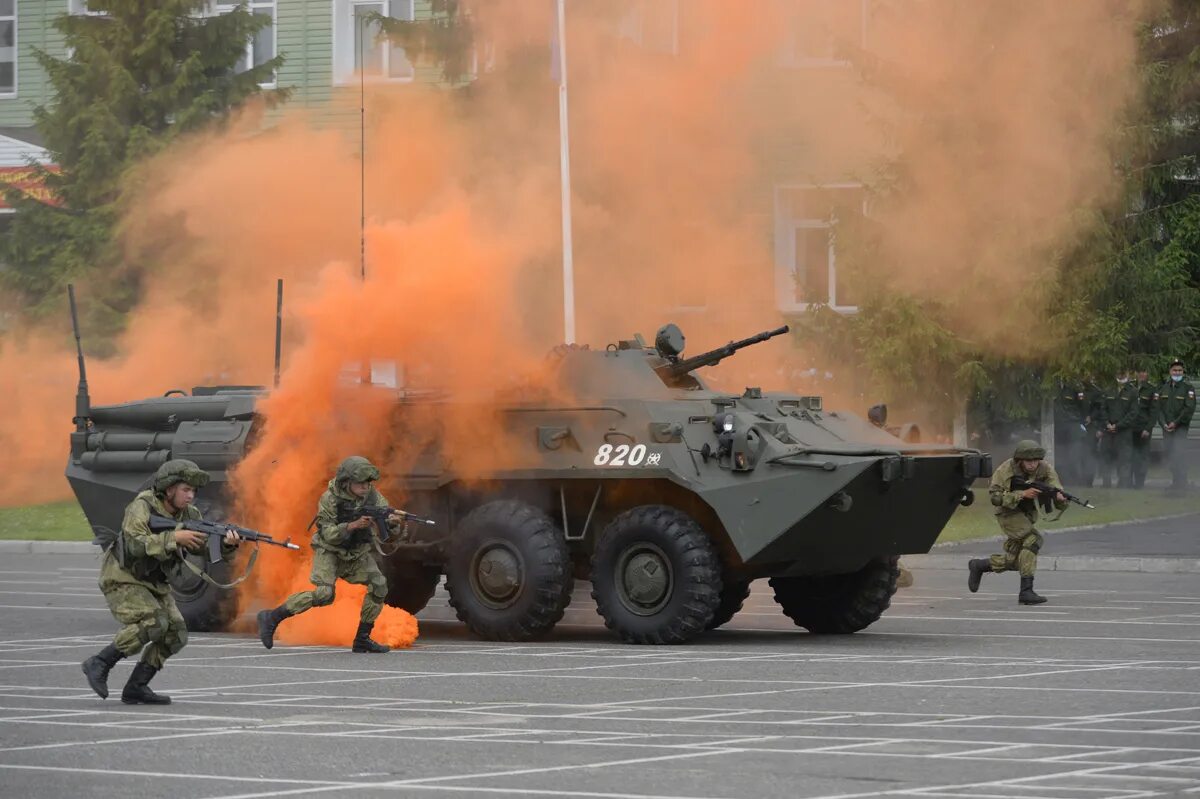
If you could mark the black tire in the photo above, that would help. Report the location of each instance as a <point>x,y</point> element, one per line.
<point>734,593</point>
<point>205,608</point>
<point>842,603</point>
<point>410,585</point>
<point>509,574</point>
<point>663,611</point>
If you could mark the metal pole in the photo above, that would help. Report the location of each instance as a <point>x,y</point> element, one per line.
<point>278,327</point>
<point>568,267</point>
<point>362,152</point>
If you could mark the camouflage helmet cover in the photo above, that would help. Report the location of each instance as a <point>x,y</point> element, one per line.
<point>357,469</point>
<point>179,471</point>
<point>1028,450</point>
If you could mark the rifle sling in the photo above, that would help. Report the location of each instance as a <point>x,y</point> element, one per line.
<point>203,575</point>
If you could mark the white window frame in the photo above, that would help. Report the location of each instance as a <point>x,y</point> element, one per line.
<point>344,73</point>
<point>786,226</point>
<point>79,8</point>
<point>632,25</point>
<point>252,6</point>
<point>787,57</point>
<point>16,50</point>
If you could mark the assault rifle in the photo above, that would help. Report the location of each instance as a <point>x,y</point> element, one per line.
<point>215,532</point>
<point>380,514</point>
<point>1046,493</point>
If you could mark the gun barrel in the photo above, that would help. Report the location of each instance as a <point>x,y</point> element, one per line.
<point>717,355</point>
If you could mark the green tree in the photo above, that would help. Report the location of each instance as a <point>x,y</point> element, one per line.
<point>1128,289</point>
<point>445,40</point>
<point>139,74</point>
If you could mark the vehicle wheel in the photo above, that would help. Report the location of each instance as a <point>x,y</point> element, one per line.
<point>656,577</point>
<point>509,575</point>
<point>204,607</point>
<point>733,593</point>
<point>410,585</point>
<point>839,603</point>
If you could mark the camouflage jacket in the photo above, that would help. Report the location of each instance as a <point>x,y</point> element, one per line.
<point>1010,503</point>
<point>148,557</point>
<point>335,510</point>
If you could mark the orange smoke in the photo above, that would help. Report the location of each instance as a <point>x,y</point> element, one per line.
<point>983,127</point>
<point>334,625</point>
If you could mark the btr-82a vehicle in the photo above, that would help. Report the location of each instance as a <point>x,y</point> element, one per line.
<point>670,497</point>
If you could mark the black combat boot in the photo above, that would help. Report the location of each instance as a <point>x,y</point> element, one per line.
<point>96,669</point>
<point>268,620</point>
<point>363,642</point>
<point>978,567</point>
<point>137,690</point>
<point>1027,596</point>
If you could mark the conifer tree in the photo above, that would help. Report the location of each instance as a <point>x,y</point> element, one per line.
<point>137,75</point>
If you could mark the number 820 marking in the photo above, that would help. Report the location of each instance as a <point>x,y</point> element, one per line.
<point>620,455</point>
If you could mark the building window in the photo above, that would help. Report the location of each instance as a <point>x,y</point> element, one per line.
<point>358,46</point>
<point>652,25</point>
<point>823,33</point>
<point>261,47</point>
<point>81,7</point>
<point>806,248</point>
<point>8,48</point>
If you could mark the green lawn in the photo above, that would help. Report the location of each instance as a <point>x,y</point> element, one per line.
<point>1112,505</point>
<point>57,521</point>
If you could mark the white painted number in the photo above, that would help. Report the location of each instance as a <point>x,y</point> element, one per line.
<point>625,455</point>
<point>602,454</point>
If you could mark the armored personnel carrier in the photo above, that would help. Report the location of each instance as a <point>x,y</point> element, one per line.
<point>669,496</point>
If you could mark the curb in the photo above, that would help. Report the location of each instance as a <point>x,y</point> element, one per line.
<point>1078,528</point>
<point>1069,563</point>
<point>22,547</point>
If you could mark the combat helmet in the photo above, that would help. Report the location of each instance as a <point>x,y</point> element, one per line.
<point>1029,450</point>
<point>179,470</point>
<point>356,469</point>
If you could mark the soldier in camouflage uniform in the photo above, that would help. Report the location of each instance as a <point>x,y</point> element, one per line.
<point>342,548</point>
<point>133,578</point>
<point>1143,425</point>
<point>1176,404</point>
<point>1119,408</point>
<point>1016,513</point>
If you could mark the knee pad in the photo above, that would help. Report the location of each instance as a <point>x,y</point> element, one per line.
<point>177,640</point>
<point>322,595</point>
<point>154,626</point>
<point>378,587</point>
<point>1033,544</point>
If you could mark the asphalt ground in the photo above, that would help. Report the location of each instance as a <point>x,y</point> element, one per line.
<point>1096,694</point>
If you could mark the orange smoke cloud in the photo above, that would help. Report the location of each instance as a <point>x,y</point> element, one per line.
<point>688,165</point>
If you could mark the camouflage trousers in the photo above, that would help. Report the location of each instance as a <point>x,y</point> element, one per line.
<point>328,567</point>
<point>150,620</point>
<point>1021,546</point>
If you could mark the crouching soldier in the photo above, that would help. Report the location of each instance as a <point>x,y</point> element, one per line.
<point>133,578</point>
<point>1016,513</point>
<point>342,548</point>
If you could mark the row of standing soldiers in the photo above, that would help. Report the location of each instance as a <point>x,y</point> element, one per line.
<point>1108,428</point>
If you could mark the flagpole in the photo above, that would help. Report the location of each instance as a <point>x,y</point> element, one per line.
<point>568,265</point>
